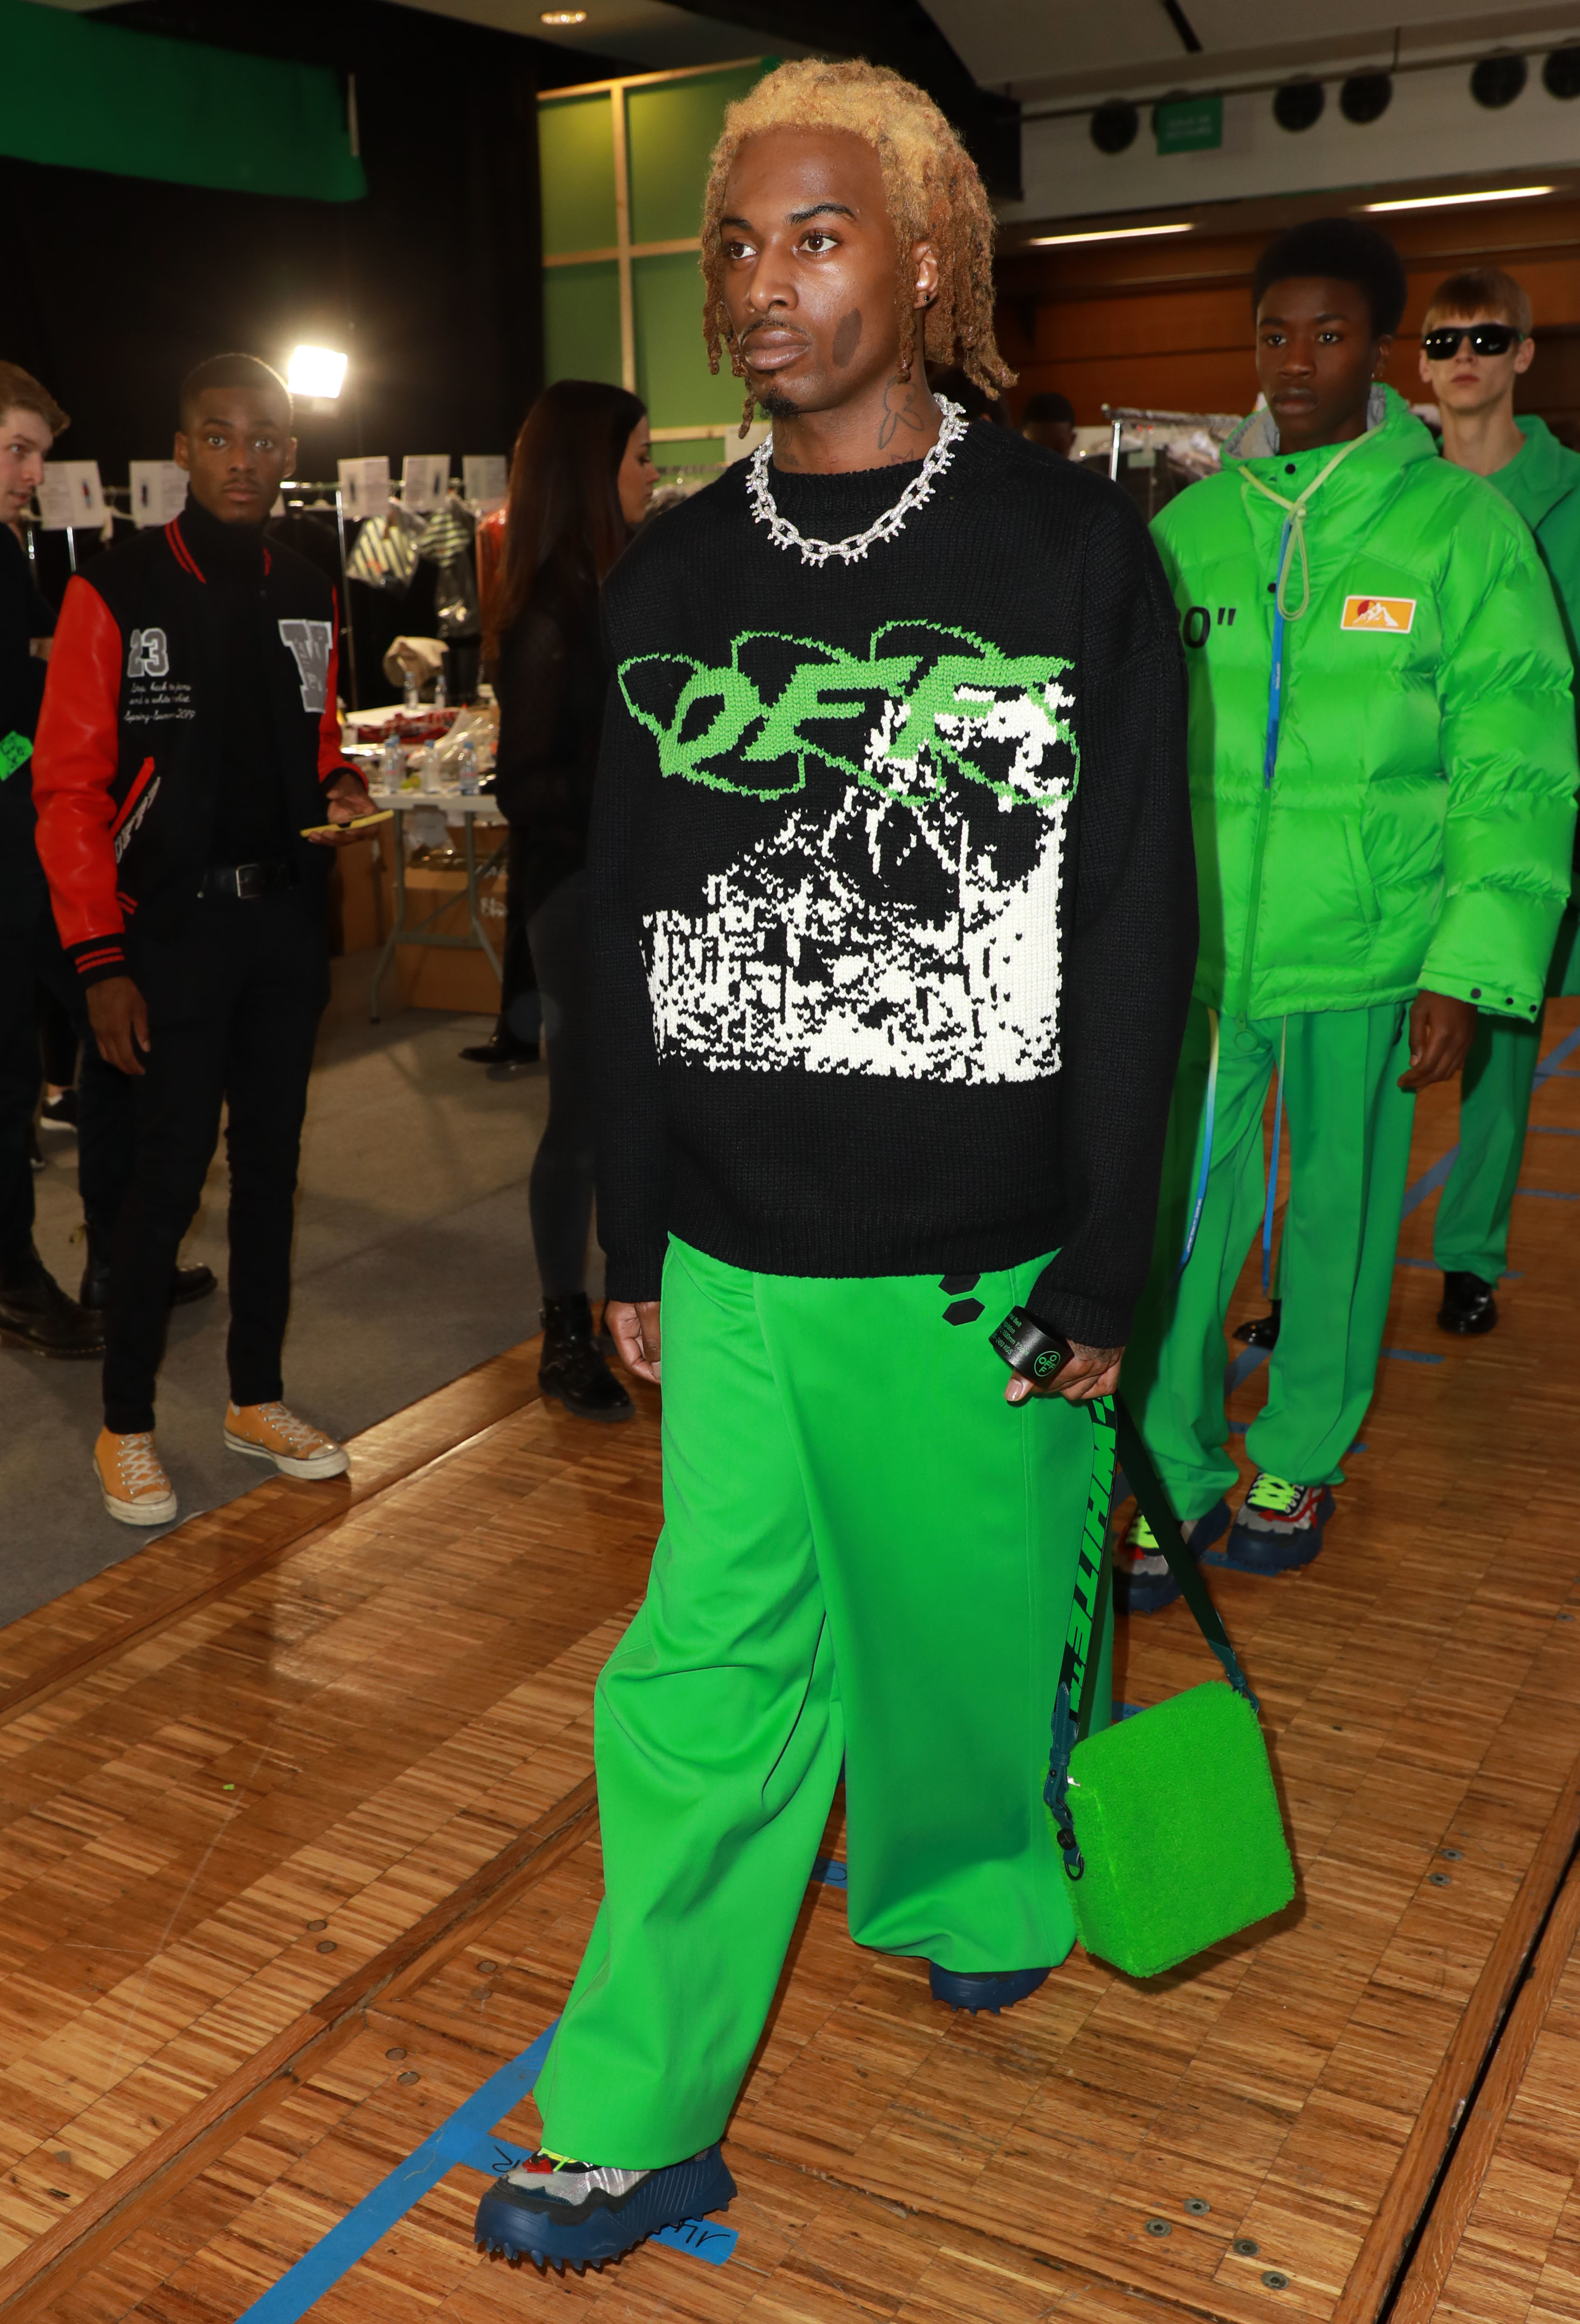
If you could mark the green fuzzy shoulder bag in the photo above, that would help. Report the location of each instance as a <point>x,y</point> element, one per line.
<point>1167,1821</point>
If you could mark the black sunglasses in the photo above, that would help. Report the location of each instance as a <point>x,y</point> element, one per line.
<point>1485,339</point>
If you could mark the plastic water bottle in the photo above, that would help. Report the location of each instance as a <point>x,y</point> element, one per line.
<point>467,769</point>
<point>440,697</point>
<point>413,689</point>
<point>392,765</point>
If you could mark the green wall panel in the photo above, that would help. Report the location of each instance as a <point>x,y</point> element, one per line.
<point>581,322</point>
<point>671,129</point>
<point>671,364</point>
<point>576,164</point>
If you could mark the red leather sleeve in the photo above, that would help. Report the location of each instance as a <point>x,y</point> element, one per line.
<point>332,759</point>
<point>74,760</point>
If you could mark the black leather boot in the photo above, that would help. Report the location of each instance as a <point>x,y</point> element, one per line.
<point>570,1366</point>
<point>35,1313</point>
<point>501,1048</point>
<point>187,1284</point>
<point>1468,1306</point>
<point>1263,1331</point>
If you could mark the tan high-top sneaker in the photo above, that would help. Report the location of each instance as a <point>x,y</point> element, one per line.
<point>132,1479</point>
<point>271,1432</point>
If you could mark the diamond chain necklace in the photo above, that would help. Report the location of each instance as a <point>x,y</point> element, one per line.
<point>784,535</point>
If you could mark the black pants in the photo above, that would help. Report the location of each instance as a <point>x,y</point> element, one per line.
<point>520,1009</point>
<point>31,957</point>
<point>559,1193</point>
<point>234,1006</point>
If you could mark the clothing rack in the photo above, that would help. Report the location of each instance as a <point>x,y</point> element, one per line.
<point>1218,425</point>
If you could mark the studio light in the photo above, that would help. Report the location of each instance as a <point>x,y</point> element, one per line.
<point>563,16</point>
<point>1451,201</point>
<point>1104,234</point>
<point>315,372</point>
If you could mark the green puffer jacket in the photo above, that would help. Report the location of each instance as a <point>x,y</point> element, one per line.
<point>1542,483</point>
<point>1415,831</point>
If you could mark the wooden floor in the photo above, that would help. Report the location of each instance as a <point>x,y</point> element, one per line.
<point>298,1844</point>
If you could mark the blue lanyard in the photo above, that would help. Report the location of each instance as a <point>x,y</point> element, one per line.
<point>1275,689</point>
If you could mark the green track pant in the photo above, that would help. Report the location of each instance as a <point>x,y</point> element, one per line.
<point>867,1556</point>
<point>1472,1227</point>
<point>1348,1128</point>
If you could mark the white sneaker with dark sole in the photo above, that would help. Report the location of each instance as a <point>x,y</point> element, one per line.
<point>272,1432</point>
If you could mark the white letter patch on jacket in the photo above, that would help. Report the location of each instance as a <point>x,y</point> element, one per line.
<point>310,644</point>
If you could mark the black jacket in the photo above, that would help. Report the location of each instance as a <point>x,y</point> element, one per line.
<point>122,777</point>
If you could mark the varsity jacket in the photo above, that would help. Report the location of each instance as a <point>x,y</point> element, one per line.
<point>122,780</point>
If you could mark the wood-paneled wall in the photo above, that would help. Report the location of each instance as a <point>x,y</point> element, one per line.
<point>1167,323</point>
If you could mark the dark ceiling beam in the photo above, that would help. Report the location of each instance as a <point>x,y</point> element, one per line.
<point>902,35</point>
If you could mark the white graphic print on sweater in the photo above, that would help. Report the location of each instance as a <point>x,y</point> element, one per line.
<point>898,914</point>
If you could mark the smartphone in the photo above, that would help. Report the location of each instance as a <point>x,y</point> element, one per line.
<point>357,822</point>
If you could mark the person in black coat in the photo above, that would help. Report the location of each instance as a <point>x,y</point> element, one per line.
<point>581,478</point>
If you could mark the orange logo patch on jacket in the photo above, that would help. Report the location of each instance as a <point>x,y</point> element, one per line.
<point>1394,613</point>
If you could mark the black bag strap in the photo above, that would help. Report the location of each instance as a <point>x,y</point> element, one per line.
<point>1115,1433</point>
<point>1154,1505</point>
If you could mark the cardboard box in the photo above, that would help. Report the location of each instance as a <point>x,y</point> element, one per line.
<point>446,977</point>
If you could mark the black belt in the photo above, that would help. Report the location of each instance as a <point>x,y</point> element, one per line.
<point>240,881</point>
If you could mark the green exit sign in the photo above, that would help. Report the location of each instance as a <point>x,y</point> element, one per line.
<point>1189,125</point>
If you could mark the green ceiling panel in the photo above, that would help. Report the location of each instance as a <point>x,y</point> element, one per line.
<point>671,364</point>
<point>576,164</point>
<point>673,127</point>
<point>86,95</point>
<point>581,322</point>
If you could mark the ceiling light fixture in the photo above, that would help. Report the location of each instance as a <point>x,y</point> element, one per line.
<point>1105,234</point>
<point>563,16</point>
<point>315,372</point>
<point>1451,201</point>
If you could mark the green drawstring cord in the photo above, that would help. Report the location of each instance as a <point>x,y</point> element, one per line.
<point>1294,511</point>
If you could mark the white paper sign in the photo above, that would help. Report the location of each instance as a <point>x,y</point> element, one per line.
<point>159,491</point>
<point>486,480</point>
<point>72,495</point>
<point>425,480</point>
<point>365,486</point>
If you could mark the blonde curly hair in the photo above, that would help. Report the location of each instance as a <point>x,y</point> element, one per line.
<point>933,193</point>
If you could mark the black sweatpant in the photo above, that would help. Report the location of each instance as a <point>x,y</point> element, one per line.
<point>31,957</point>
<point>559,1193</point>
<point>234,1004</point>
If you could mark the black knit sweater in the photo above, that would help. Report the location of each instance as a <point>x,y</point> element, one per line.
<point>894,899</point>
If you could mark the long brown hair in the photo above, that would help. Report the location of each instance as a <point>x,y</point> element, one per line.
<point>563,519</point>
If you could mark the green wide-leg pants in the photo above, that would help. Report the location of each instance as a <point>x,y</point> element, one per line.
<point>868,1556</point>
<point>1348,1128</point>
<point>1470,1231</point>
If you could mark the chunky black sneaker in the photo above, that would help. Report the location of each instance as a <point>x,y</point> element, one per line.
<point>1468,1306</point>
<point>572,1366</point>
<point>1142,1583</point>
<point>992,1989</point>
<point>561,2214</point>
<point>1278,1527</point>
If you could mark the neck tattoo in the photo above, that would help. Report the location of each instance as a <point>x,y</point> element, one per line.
<point>851,550</point>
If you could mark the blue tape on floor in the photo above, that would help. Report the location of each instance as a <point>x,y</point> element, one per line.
<point>1243,1365</point>
<point>829,1870</point>
<point>1429,1182</point>
<point>1550,1129</point>
<point>464,2139</point>
<point>1548,1193</point>
<point>455,2142</point>
<point>1553,1063</point>
<point>1410,1356</point>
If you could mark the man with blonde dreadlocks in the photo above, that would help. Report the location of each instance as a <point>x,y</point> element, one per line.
<point>895,925</point>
